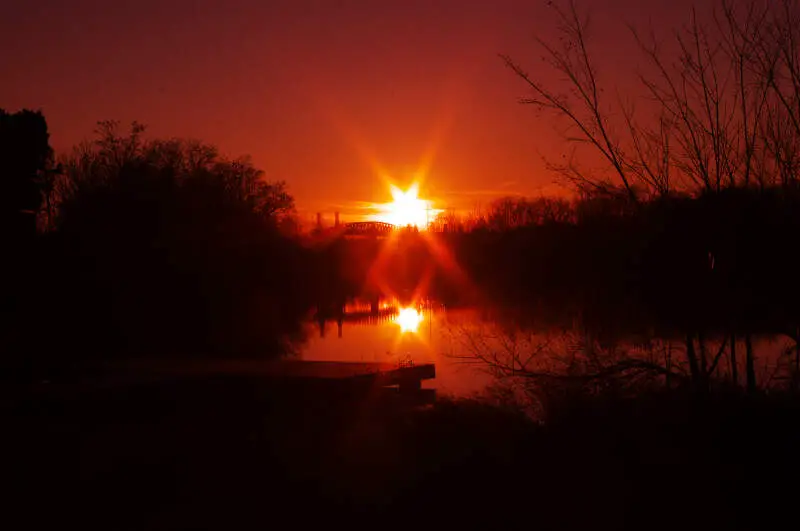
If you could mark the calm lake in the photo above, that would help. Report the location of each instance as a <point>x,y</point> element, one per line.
<point>431,334</point>
<point>450,338</point>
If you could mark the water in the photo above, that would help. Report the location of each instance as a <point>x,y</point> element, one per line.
<point>465,343</point>
<point>420,335</point>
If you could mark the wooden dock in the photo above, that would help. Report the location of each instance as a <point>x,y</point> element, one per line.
<point>381,374</point>
<point>406,376</point>
<point>405,379</point>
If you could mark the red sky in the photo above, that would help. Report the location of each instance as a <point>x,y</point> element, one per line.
<point>320,93</point>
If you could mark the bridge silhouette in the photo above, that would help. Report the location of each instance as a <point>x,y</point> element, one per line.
<point>357,229</point>
<point>368,228</point>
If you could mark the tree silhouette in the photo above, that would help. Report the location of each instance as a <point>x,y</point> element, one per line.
<point>166,248</point>
<point>701,185</point>
<point>24,155</point>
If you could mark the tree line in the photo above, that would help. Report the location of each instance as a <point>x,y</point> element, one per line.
<point>688,189</point>
<point>129,246</point>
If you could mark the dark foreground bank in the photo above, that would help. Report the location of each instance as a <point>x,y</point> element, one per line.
<point>238,454</point>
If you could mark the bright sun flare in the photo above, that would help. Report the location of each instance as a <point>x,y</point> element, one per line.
<point>408,319</point>
<point>406,209</point>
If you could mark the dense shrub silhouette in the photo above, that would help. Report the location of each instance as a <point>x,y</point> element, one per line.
<point>164,249</point>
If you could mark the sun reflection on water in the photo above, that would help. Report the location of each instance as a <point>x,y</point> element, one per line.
<point>408,319</point>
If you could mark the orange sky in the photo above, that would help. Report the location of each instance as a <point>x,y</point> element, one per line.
<point>322,94</point>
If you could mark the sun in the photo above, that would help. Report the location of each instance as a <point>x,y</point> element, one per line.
<point>408,319</point>
<point>406,209</point>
